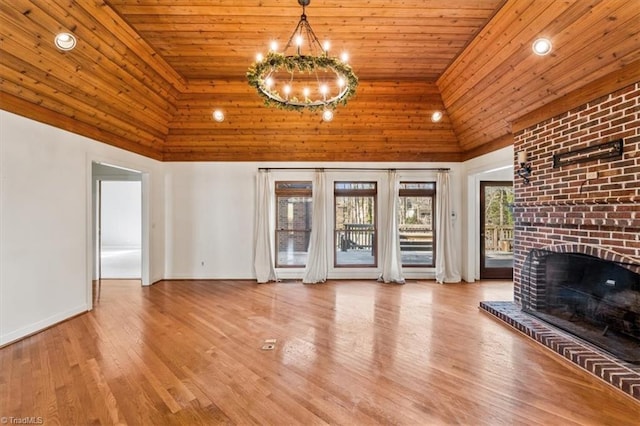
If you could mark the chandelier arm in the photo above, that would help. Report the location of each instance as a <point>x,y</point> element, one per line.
<point>313,39</point>
<point>290,83</point>
<point>324,95</point>
<point>315,72</point>
<point>303,18</point>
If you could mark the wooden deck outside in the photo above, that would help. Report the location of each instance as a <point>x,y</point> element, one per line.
<point>347,352</point>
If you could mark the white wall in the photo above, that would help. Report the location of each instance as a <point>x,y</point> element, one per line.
<point>209,220</point>
<point>45,222</point>
<point>494,166</point>
<point>210,215</point>
<point>121,209</point>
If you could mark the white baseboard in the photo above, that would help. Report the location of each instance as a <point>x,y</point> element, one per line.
<point>41,325</point>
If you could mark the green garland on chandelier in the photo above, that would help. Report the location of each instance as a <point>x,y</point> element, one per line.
<point>276,61</point>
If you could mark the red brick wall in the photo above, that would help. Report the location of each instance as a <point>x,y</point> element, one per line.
<point>560,207</point>
<point>301,221</point>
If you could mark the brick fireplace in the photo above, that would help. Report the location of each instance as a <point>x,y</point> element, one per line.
<point>588,291</point>
<point>589,207</point>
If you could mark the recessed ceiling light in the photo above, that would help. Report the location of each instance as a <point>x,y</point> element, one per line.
<point>327,115</point>
<point>65,41</point>
<point>541,46</point>
<point>218,116</point>
<point>436,116</point>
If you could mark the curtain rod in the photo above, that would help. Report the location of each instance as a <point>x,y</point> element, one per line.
<point>439,169</point>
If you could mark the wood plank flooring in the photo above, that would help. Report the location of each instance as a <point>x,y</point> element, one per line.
<point>347,352</point>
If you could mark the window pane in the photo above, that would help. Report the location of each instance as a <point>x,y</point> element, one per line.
<point>355,237</point>
<point>293,228</point>
<point>293,248</point>
<point>293,185</point>
<point>415,220</point>
<point>418,185</point>
<point>355,185</point>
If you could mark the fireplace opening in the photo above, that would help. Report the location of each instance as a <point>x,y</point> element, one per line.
<point>595,299</point>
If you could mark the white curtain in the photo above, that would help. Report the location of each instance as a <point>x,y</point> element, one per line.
<point>390,238</point>
<point>263,254</point>
<point>446,256</point>
<point>317,267</point>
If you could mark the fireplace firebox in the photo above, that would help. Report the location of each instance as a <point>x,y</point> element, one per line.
<point>592,298</point>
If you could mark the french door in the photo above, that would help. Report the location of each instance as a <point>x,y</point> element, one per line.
<point>496,230</point>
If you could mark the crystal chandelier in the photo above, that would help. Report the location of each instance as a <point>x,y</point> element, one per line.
<point>298,81</point>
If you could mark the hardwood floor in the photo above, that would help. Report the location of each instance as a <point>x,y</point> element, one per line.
<point>347,352</point>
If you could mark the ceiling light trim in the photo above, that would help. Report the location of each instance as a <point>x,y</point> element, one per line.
<point>218,115</point>
<point>65,41</point>
<point>542,46</point>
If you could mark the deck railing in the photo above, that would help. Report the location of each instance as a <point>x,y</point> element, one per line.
<point>416,237</point>
<point>356,237</point>
<point>362,237</point>
<point>498,237</point>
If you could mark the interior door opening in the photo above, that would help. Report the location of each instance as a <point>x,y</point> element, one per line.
<point>118,225</point>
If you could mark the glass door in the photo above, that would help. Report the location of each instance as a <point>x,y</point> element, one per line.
<point>496,230</point>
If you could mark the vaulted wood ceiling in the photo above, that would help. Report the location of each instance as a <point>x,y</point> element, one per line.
<point>147,74</point>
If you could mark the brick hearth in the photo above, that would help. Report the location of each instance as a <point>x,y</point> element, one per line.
<point>623,376</point>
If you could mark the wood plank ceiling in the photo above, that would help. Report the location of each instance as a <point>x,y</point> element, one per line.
<point>147,74</point>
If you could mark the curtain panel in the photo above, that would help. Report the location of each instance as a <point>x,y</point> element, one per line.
<point>446,255</point>
<point>263,241</point>
<point>317,267</point>
<point>390,237</point>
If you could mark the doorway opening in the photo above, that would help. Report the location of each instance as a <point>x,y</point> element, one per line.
<point>118,224</point>
<point>496,230</point>
<point>120,230</point>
